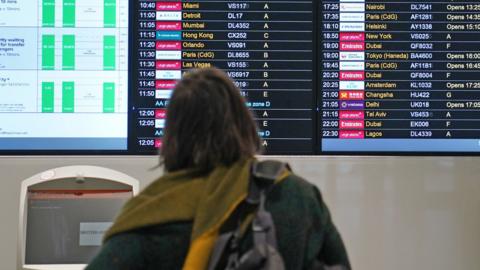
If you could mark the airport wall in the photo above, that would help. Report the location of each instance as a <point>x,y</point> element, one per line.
<point>394,213</point>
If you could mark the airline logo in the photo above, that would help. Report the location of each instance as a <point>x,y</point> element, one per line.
<point>169,6</point>
<point>352,75</point>
<point>169,55</point>
<point>352,7</point>
<point>352,85</point>
<point>351,124</point>
<point>352,65</point>
<point>351,134</point>
<point>352,36</point>
<point>352,46</point>
<point>352,105</point>
<point>169,35</point>
<point>163,94</point>
<point>160,113</point>
<point>352,115</point>
<point>160,123</point>
<point>169,16</point>
<point>158,143</point>
<point>169,74</point>
<point>169,65</point>
<point>169,26</point>
<point>355,27</point>
<point>162,84</point>
<point>352,95</point>
<point>352,56</point>
<point>168,45</point>
<point>352,17</point>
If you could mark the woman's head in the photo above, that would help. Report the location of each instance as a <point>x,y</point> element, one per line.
<point>208,124</point>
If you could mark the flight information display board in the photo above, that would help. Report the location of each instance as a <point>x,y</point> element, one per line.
<point>265,46</point>
<point>400,76</point>
<point>320,76</point>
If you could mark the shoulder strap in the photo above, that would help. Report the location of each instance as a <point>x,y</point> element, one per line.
<point>268,170</point>
<point>264,254</point>
<point>263,176</point>
<point>219,249</point>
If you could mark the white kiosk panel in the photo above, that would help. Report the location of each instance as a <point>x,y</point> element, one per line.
<point>64,213</point>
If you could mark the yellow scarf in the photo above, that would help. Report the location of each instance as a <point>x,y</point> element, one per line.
<point>208,201</point>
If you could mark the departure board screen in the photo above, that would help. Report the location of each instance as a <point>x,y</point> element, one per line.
<point>265,46</point>
<point>400,76</point>
<point>322,77</point>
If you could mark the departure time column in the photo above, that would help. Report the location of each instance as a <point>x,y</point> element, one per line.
<point>329,69</point>
<point>144,93</point>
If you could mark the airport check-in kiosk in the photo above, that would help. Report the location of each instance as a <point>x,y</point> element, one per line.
<point>64,213</point>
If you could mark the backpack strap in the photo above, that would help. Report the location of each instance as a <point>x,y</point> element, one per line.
<point>219,249</point>
<point>264,254</point>
<point>263,176</point>
<point>264,250</point>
